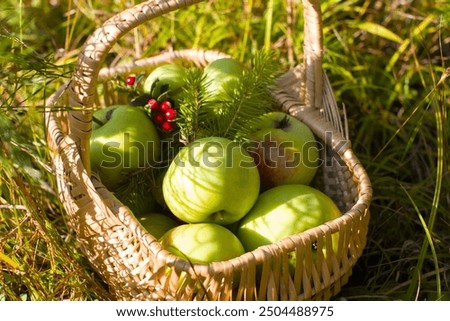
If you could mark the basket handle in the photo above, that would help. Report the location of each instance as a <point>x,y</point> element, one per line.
<point>313,53</point>
<point>81,90</point>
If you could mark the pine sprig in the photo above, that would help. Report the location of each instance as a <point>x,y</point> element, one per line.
<point>136,191</point>
<point>251,98</point>
<point>193,107</point>
<point>200,115</point>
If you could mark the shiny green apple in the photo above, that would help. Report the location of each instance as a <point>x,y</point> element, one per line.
<point>283,211</point>
<point>166,80</point>
<point>221,78</point>
<point>202,243</point>
<point>213,179</point>
<point>285,150</point>
<point>127,141</point>
<point>101,116</point>
<point>157,224</point>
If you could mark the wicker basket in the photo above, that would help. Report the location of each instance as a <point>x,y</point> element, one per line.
<point>130,260</point>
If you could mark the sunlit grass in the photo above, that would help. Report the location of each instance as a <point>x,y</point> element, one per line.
<point>387,64</point>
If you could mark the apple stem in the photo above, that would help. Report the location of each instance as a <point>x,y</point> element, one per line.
<point>283,123</point>
<point>218,216</point>
<point>97,121</point>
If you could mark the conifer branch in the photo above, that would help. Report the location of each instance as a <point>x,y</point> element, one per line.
<point>252,97</point>
<point>233,117</point>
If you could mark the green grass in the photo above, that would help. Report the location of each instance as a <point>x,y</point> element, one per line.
<point>387,64</point>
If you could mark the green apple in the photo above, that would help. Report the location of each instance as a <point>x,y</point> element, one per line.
<point>221,78</point>
<point>285,150</point>
<point>166,80</point>
<point>101,116</point>
<point>156,224</point>
<point>125,142</point>
<point>212,179</point>
<point>283,211</point>
<point>202,243</point>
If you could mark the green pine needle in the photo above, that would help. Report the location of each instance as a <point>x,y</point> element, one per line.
<point>193,107</point>
<point>252,98</point>
<point>201,116</point>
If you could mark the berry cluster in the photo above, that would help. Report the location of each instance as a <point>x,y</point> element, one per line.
<point>163,114</point>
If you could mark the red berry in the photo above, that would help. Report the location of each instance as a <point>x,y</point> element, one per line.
<point>167,126</point>
<point>170,114</point>
<point>159,118</point>
<point>130,80</point>
<point>165,105</point>
<point>153,103</point>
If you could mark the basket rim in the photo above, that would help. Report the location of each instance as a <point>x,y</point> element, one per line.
<point>88,72</point>
<point>288,243</point>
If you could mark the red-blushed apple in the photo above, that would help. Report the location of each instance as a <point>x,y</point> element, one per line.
<point>212,179</point>
<point>126,141</point>
<point>285,150</point>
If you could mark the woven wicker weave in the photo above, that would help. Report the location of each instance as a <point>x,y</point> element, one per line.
<point>130,260</point>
